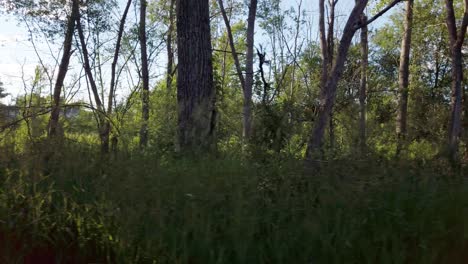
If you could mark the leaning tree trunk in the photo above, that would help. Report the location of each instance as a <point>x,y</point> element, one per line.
<point>328,95</point>
<point>62,71</point>
<point>195,89</point>
<point>113,81</point>
<point>92,82</point>
<point>403,79</point>
<point>363,85</point>
<point>144,76</point>
<point>457,38</point>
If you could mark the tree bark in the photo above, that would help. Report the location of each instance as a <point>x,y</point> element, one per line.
<point>249,74</point>
<point>62,71</point>
<point>328,97</point>
<point>247,82</point>
<point>144,76</point>
<point>169,47</point>
<point>363,86</point>
<point>457,38</point>
<point>234,53</point>
<point>329,63</point>
<point>113,81</point>
<point>195,89</point>
<point>89,74</point>
<point>324,49</point>
<point>403,79</point>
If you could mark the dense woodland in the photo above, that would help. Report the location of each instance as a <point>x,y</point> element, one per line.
<point>237,131</point>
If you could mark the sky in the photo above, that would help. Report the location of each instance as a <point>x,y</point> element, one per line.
<point>18,58</point>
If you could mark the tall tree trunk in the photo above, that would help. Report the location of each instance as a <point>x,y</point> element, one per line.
<point>144,76</point>
<point>457,38</point>
<point>403,79</point>
<point>113,81</point>
<point>324,49</point>
<point>89,74</point>
<point>363,86</point>
<point>328,63</point>
<point>247,82</point>
<point>63,68</point>
<point>195,89</point>
<point>331,33</point>
<point>328,95</point>
<point>169,47</point>
<point>232,45</point>
<point>249,74</point>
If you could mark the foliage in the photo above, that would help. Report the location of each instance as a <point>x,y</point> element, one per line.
<point>139,210</point>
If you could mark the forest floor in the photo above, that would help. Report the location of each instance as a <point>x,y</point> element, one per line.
<point>143,209</point>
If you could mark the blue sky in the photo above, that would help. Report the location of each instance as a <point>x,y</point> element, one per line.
<point>17,55</point>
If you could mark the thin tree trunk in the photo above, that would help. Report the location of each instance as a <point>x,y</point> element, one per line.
<point>247,82</point>
<point>232,45</point>
<point>331,34</point>
<point>195,88</point>
<point>457,38</point>
<point>324,49</point>
<point>144,76</point>
<point>363,86</point>
<point>328,64</point>
<point>249,74</point>
<point>170,49</point>
<point>89,74</point>
<point>403,80</point>
<point>113,81</point>
<point>62,71</point>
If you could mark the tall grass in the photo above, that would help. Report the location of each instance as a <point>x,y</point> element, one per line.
<point>138,208</point>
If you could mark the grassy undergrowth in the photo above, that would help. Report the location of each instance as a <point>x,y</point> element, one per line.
<point>140,209</point>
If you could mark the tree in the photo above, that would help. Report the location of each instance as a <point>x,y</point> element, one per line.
<point>195,89</point>
<point>169,46</point>
<point>63,68</point>
<point>2,91</point>
<point>94,88</point>
<point>363,84</point>
<point>403,77</point>
<point>248,80</point>
<point>249,75</point>
<point>113,81</point>
<point>144,75</point>
<point>327,46</point>
<point>328,94</point>
<point>457,37</point>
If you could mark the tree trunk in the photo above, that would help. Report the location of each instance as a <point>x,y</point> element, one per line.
<point>363,86</point>
<point>328,92</point>
<point>403,80</point>
<point>328,97</point>
<point>108,127</point>
<point>457,38</point>
<point>195,89</point>
<point>170,49</point>
<point>324,47</point>
<point>144,76</point>
<point>232,45</point>
<point>89,74</point>
<point>331,33</point>
<point>247,82</point>
<point>249,75</point>
<point>62,71</point>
